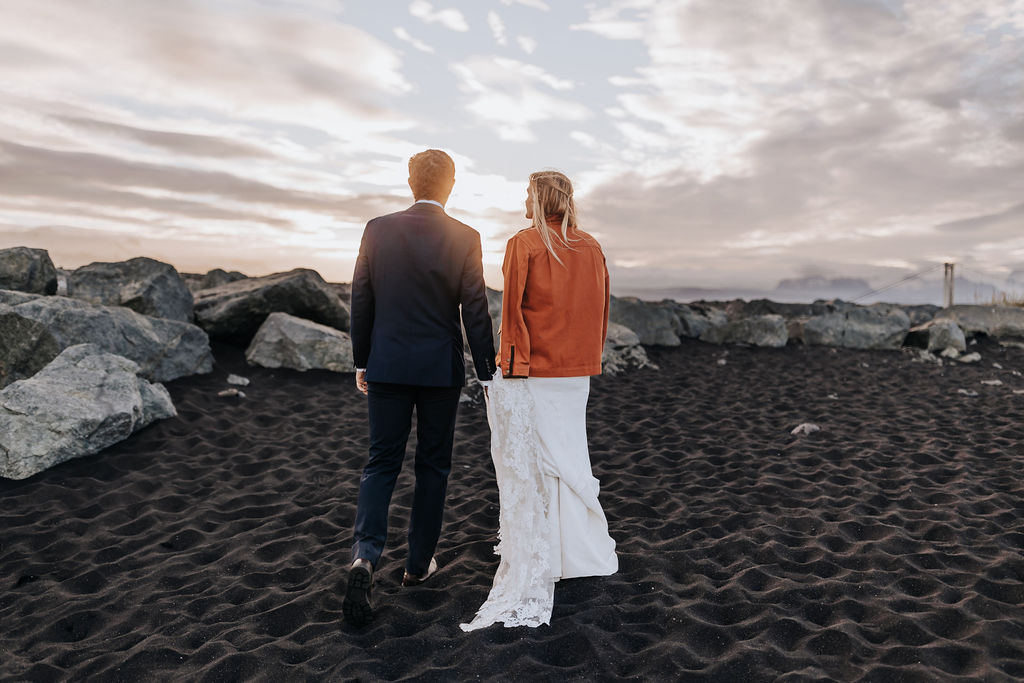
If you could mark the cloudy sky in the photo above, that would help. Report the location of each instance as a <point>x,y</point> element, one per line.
<point>713,142</point>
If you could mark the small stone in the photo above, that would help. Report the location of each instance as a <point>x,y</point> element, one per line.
<point>231,392</point>
<point>721,361</point>
<point>834,397</point>
<point>967,392</point>
<point>992,382</point>
<point>997,366</point>
<point>1018,391</point>
<point>970,358</point>
<point>238,380</point>
<point>806,428</point>
<point>950,352</point>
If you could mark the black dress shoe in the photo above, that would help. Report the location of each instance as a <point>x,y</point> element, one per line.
<point>356,605</point>
<point>413,580</point>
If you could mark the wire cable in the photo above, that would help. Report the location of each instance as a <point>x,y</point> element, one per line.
<point>908,278</point>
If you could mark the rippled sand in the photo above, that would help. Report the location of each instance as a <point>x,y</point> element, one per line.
<point>887,546</point>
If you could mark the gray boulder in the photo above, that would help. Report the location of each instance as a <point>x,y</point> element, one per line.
<point>13,298</point>
<point>881,326</point>
<point>739,309</point>
<point>26,346</point>
<point>212,278</point>
<point>284,341</point>
<point>937,335</point>
<point>920,313</point>
<point>695,318</point>
<point>142,284</point>
<point>234,311</point>
<point>1005,323</point>
<point>82,402</point>
<point>27,270</point>
<point>762,330</point>
<point>164,349</point>
<point>219,276</point>
<point>655,324</point>
<point>622,351</point>
<point>795,328</point>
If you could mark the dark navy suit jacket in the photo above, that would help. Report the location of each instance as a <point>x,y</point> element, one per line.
<point>414,269</point>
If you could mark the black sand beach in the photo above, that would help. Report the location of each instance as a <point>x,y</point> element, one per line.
<point>889,546</point>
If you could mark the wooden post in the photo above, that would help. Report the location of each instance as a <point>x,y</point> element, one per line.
<point>947,286</point>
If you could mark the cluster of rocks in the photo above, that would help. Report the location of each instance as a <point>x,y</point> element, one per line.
<point>824,323</point>
<point>104,336</point>
<point>76,336</point>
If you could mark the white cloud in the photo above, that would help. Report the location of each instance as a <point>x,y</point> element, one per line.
<point>618,20</point>
<point>449,17</point>
<point>254,65</point>
<point>526,44</point>
<point>790,128</point>
<point>191,120</point>
<point>497,28</point>
<point>507,94</point>
<point>725,141</point>
<point>585,139</point>
<point>536,4</point>
<point>403,35</point>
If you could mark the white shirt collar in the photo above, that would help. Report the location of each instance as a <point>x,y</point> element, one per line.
<point>429,201</point>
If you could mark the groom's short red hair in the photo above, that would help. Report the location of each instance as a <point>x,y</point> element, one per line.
<point>431,174</point>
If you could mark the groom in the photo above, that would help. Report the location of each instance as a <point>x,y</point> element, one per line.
<point>414,269</point>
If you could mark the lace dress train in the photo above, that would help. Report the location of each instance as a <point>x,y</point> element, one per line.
<point>551,525</point>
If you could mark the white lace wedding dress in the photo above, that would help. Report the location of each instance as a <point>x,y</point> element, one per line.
<point>551,525</point>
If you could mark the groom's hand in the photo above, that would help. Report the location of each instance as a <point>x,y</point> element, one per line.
<point>361,382</point>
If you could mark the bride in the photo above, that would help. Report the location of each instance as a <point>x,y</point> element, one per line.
<point>553,325</point>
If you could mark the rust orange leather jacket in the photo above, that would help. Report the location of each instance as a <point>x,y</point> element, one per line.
<point>554,317</point>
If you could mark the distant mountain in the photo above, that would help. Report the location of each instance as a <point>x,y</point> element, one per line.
<point>818,282</point>
<point>819,287</point>
<point>808,289</point>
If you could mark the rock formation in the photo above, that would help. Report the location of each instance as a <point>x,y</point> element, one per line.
<point>82,402</point>
<point>26,346</point>
<point>759,330</point>
<point>874,327</point>
<point>937,335</point>
<point>1005,323</point>
<point>27,270</point>
<point>235,310</point>
<point>622,351</point>
<point>144,285</point>
<point>284,341</point>
<point>164,349</point>
<point>655,324</point>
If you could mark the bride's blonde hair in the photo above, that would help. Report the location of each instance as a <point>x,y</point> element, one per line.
<point>552,197</point>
